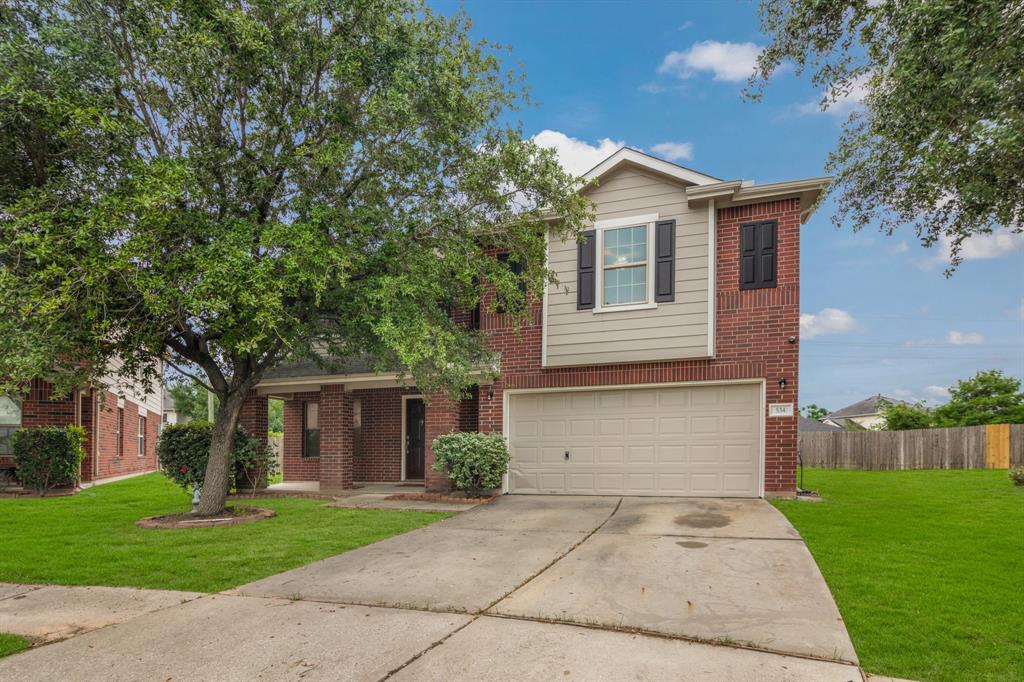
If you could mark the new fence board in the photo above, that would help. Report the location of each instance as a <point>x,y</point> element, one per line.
<point>956,448</point>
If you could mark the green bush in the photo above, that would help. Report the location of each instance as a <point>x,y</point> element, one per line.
<point>255,464</point>
<point>48,457</point>
<point>1017,475</point>
<point>473,462</point>
<point>184,450</point>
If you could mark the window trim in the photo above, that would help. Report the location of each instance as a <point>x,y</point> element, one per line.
<point>119,431</point>
<point>305,454</point>
<point>600,227</point>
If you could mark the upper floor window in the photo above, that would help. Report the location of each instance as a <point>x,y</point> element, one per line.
<point>624,265</point>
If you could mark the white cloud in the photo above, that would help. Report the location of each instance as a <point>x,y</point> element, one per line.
<point>827,321</point>
<point>1000,243</point>
<point>685,25</point>
<point>901,247</point>
<point>674,151</point>
<point>939,392</point>
<point>577,156</point>
<point>845,104</point>
<point>726,61</point>
<point>957,338</point>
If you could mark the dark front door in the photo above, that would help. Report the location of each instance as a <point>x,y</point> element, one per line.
<point>415,438</point>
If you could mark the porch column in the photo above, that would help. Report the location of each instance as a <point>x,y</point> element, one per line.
<point>253,417</point>
<point>442,417</point>
<point>335,438</point>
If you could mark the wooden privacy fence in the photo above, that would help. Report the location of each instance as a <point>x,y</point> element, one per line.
<point>995,446</point>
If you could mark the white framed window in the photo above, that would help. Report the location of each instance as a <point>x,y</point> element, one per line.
<point>142,436</point>
<point>626,251</point>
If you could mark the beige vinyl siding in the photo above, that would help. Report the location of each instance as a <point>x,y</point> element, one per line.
<point>675,330</point>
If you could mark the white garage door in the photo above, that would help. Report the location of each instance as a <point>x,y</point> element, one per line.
<point>694,441</point>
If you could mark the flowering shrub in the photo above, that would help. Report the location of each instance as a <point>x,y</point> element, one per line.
<point>184,450</point>
<point>473,462</point>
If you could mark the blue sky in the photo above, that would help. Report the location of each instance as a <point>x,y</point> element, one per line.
<point>877,314</point>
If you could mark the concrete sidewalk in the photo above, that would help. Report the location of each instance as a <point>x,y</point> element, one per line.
<point>47,613</point>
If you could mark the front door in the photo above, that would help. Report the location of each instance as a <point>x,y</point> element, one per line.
<point>415,438</point>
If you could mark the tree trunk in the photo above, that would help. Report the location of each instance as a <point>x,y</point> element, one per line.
<point>218,468</point>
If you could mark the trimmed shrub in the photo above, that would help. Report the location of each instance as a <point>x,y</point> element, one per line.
<point>184,450</point>
<point>1017,475</point>
<point>48,457</point>
<point>473,462</point>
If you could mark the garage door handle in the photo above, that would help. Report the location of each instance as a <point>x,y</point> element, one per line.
<point>566,455</point>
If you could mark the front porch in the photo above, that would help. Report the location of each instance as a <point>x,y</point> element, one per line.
<point>367,431</point>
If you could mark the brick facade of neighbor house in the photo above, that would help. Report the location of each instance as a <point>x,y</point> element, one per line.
<point>96,410</point>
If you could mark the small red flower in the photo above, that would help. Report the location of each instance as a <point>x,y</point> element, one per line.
<point>184,470</point>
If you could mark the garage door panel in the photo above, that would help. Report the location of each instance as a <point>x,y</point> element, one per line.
<point>682,440</point>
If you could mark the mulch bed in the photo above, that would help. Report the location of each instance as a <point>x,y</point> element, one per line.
<point>15,491</point>
<point>439,497</point>
<point>232,516</point>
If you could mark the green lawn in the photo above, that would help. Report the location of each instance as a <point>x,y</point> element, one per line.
<point>11,644</point>
<point>91,538</point>
<point>927,568</point>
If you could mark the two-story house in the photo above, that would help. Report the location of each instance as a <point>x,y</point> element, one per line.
<point>121,421</point>
<point>664,362</point>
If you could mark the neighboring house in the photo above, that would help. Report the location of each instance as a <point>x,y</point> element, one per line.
<point>171,415</point>
<point>120,419</point>
<point>866,413</point>
<point>805,425</point>
<point>664,362</point>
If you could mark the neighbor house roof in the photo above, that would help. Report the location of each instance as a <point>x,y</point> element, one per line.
<point>865,408</point>
<point>805,424</point>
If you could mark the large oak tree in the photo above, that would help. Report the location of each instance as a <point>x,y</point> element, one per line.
<point>224,185</point>
<point>937,143</point>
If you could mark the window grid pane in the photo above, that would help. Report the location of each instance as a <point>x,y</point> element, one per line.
<point>625,285</point>
<point>625,245</point>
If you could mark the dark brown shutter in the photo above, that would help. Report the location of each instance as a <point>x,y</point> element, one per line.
<point>758,255</point>
<point>665,261</point>
<point>586,260</point>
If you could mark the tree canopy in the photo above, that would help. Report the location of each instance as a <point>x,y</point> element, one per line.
<point>937,142</point>
<point>222,186</point>
<point>988,397</point>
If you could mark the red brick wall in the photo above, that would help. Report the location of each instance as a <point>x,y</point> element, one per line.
<point>253,417</point>
<point>442,417</point>
<point>381,447</point>
<point>296,467</point>
<point>336,470</point>
<point>751,341</point>
<point>129,462</point>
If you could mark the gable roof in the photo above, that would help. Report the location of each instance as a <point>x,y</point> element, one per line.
<point>635,157</point>
<point>805,424</point>
<point>865,408</point>
<point>701,188</point>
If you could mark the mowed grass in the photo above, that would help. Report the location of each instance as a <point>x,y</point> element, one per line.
<point>91,538</point>
<point>927,568</point>
<point>12,644</point>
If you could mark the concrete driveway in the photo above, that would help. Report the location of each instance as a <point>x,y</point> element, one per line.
<point>524,588</point>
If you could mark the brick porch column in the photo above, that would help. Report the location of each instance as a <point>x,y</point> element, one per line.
<point>442,417</point>
<point>335,438</point>
<point>253,417</point>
